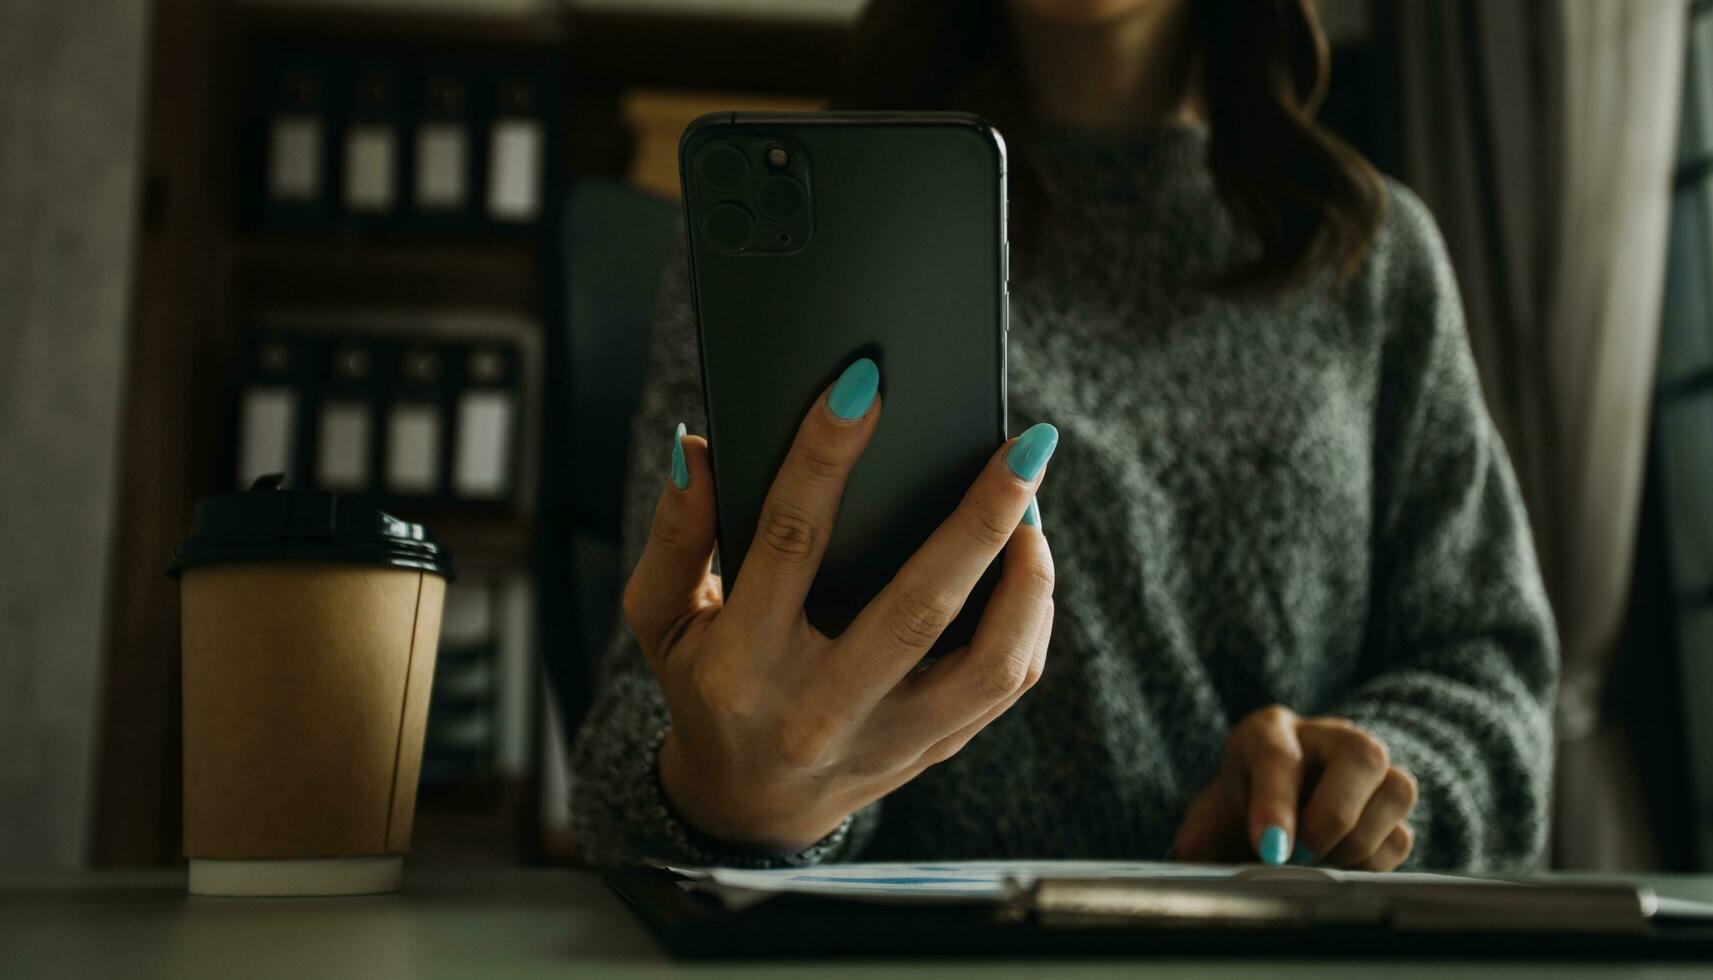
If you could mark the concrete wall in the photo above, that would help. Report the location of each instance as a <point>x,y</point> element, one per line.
<point>71,74</point>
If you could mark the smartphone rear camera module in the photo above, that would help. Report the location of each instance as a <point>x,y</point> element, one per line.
<point>729,227</point>
<point>780,198</point>
<point>724,167</point>
<point>751,195</point>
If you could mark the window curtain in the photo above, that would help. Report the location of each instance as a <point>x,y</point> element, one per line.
<point>1541,134</point>
<point>1684,420</point>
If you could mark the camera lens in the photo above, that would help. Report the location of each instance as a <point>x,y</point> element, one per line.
<point>780,198</point>
<point>724,167</point>
<point>729,226</point>
<point>777,158</point>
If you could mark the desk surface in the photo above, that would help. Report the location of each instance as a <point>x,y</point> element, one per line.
<point>509,923</point>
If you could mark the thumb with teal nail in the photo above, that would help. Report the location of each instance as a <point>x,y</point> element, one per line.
<point>675,574</point>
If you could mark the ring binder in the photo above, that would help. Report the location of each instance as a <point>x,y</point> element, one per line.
<point>484,465</point>
<point>415,428</point>
<point>516,146</point>
<point>443,175</point>
<point>268,405</point>
<point>294,182</point>
<point>372,148</point>
<point>345,419</point>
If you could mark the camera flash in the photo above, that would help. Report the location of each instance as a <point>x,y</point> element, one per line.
<point>777,158</point>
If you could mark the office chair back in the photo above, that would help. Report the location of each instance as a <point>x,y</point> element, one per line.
<point>615,242</point>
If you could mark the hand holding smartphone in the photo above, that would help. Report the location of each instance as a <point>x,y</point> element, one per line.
<point>856,476</point>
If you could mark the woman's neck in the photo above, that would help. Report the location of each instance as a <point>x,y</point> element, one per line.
<point>1128,72</point>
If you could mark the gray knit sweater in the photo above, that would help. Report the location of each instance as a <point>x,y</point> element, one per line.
<point>1300,501</point>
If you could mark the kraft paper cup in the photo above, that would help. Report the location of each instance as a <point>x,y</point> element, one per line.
<point>306,690</point>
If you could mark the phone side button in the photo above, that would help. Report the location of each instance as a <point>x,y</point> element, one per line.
<point>1005,311</point>
<point>1005,261</point>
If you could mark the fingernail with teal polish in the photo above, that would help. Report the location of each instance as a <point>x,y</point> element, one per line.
<point>1302,855</point>
<point>1032,516</point>
<point>1274,846</point>
<point>1029,454</point>
<point>854,392</point>
<point>680,471</point>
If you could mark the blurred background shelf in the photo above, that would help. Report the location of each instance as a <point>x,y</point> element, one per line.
<point>480,540</point>
<point>280,270</point>
<point>459,22</point>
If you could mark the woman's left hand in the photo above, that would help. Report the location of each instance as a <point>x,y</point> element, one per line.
<point>1307,790</point>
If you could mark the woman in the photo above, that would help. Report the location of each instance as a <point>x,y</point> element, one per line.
<point>1295,613</point>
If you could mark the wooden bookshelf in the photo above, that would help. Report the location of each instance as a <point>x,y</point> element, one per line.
<point>274,271</point>
<point>202,282</point>
<point>480,540</point>
<point>360,25</point>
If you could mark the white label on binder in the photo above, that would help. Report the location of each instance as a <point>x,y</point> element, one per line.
<point>369,168</point>
<point>514,170</point>
<point>342,459</point>
<point>483,466</point>
<point>294,159</point>
<point>441,165</point>
<point>267,425</point>
<point>413,448</point>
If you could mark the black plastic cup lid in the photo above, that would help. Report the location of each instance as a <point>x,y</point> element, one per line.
<point>266,523</point>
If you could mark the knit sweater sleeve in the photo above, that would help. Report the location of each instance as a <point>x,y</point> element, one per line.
<point>1461,660</point>
<point>619,814</point>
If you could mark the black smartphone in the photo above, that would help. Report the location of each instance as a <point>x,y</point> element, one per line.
<point>815,239</point>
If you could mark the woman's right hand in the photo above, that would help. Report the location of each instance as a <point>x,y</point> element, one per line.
<point>778,731</point>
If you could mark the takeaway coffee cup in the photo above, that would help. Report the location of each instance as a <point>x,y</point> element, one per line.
<point>310,623</point>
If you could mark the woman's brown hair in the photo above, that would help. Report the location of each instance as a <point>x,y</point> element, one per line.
<point>1312,202</point>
